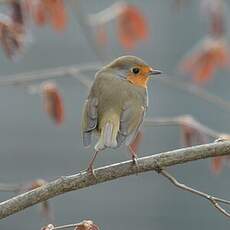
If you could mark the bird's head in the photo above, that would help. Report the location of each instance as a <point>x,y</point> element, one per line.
<point>133,69</point>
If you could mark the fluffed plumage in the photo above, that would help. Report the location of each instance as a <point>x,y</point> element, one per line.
<point>116,103</point>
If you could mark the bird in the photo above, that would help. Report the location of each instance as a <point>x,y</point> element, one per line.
<point>116,105</point>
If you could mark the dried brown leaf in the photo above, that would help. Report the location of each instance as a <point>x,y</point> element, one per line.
<point>217,165</point>
<point>210,55</point>
<point>53,102</point>
<point>86,225</point>
<point>50,11</point>
<point>11,38</point>
<point>132,26</point>
<point>48,227</point>
<point>191,135</point>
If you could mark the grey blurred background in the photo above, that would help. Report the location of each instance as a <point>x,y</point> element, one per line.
<point>33,147</point>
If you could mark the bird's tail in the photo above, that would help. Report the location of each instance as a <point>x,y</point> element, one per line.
<point>109,128</point>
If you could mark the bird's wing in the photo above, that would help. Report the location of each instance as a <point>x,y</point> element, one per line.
<point>89,120</point>
<point>90,111</point>
<point>130,124</point>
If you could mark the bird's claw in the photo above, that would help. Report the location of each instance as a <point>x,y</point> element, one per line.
<point>220,139</point>
<point>135,163</point>
<point>157,167</point>
<point>90,171</point>
<point>135,160</point>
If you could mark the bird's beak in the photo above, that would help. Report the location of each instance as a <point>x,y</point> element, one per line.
<point>154,72</point>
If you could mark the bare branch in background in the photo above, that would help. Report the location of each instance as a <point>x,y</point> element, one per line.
<point>85,81</point>
<point>77,70</point>
<point>40,75</point>
<point>111,172</point>
<point>193,133</point>
<point>183,120</point>
<point>6,187</point>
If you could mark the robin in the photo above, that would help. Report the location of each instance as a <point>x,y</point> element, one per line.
<point>116,104</point>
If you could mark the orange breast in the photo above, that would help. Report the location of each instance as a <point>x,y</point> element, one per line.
<point>140,80</point>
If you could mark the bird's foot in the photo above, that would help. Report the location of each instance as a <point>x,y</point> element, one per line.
<point>90,171</point>
<point>219,140</point>
<point>222,138</point>
<point>157,167</point>
<point>90,167</point>
<point>135,163</point>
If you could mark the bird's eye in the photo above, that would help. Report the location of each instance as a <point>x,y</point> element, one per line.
<point>135,70</point>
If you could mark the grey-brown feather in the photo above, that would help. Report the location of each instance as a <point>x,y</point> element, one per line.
<point>123,134</point>
<point>89,122</point>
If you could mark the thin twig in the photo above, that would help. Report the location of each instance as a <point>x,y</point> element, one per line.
<point>66,226</point>
<point>5,187</point>
<point>46,74</point>
<point>85,81</point>
<point>183,120</point>
<point>111,172</point>
<point>214,200</point>
<point>85,224</point>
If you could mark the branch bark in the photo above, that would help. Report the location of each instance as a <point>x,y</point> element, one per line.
<point>111,172</point>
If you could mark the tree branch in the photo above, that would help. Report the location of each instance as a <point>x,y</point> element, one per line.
<point>111,172</point>
<point>214,200</point>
